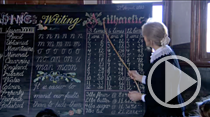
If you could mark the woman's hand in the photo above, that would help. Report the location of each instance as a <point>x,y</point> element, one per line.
<point>135,75</point>
<point>134,96</point>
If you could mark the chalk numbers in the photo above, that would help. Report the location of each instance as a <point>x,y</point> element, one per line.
<point>95,53</point>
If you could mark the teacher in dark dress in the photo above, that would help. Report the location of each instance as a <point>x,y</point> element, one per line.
<point>156,36</point>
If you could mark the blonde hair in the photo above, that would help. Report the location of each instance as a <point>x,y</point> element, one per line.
<point>156,32</point>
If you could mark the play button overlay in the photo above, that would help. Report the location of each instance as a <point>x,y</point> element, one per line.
<point>176,81</point>
<point>174,78</point>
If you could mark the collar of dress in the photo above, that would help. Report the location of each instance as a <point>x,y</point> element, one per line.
<point>163,50</point>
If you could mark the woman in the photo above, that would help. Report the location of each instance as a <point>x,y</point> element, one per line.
<point>156,36</point>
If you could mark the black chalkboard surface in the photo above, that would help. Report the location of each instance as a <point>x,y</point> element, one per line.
<point>59,57</point>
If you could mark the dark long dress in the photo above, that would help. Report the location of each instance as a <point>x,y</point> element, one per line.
<point>153,109</point>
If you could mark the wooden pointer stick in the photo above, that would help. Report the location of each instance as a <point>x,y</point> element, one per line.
<point>119,55</point>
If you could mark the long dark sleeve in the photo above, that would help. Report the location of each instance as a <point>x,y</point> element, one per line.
<point>158,85</point>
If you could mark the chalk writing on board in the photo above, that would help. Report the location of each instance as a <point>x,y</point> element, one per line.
<point>115,79</point>
<point>58,59</point>
<point>18,19</point>
<point>109,77</point>
<point>128,62</point>
<point>16,65</point>
<point>129,7</point>
<point>57,96</point>
<point>46,87</point>
<point>101,102</point>
<point>88,69</point>
<point>11,30</point>
<point>95,73</point>
<point>134,53</point>
<point>114,19</point>
<point>101,60</point>
<point>54,86</point>
<point>61,19</point>
<point>92,20</point>
<point>56,76</point>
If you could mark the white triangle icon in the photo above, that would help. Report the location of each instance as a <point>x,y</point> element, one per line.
<point>176,81</point>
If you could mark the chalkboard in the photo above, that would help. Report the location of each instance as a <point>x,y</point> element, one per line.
<point>58,57</point>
